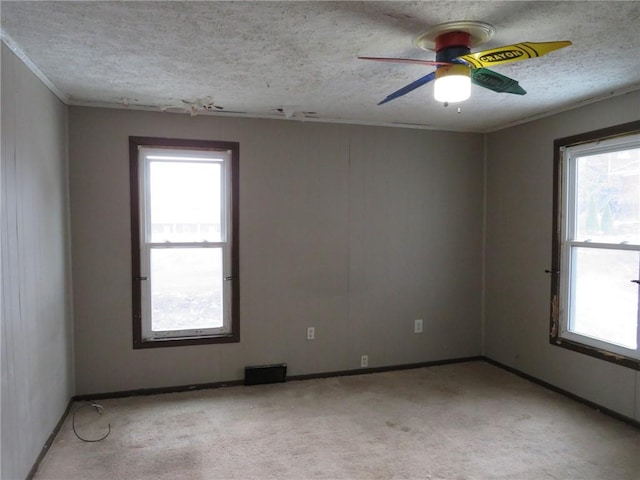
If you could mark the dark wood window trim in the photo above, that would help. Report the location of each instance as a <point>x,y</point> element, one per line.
<point>554,327</point>
<point>234,147</point>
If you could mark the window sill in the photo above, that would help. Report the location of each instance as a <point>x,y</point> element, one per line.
<point>621,360</point>
<point>181,342</point>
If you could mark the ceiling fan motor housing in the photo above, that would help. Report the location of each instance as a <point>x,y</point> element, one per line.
<point>452,45</point>
<point>452,81</point>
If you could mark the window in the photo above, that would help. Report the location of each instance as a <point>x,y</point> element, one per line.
<point>596,255</point>
<point>184,235</point>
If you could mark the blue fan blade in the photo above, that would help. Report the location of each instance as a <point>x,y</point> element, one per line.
<point>409,88</point>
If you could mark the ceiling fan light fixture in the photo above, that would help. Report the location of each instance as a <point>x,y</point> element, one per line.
<point>453,83</point>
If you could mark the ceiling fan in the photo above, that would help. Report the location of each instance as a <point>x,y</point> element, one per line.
<point>457,67</point>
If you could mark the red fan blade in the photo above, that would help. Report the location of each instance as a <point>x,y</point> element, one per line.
<point>406,60</point>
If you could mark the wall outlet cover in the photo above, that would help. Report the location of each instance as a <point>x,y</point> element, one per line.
<point>418,326</point>
<point>364,361</point>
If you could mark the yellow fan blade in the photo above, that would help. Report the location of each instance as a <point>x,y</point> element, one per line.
<point>512,53</point>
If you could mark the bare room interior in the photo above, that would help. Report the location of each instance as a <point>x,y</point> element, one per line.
<point>420,261</point>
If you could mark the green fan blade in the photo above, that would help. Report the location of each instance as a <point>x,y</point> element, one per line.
<point>495,81</point>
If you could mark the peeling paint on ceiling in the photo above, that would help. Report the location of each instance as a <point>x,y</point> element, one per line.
<point>298,60</point>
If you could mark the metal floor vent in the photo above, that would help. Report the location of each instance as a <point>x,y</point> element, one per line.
<point>265,374</point>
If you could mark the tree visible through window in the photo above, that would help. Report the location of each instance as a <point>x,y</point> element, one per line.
<point>597,244</point>
<point>184,241</point>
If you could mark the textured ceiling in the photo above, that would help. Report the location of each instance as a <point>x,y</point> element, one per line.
<point>299,59</point>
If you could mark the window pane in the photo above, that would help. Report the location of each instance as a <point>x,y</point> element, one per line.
<point>605,302</point>
<point>185,201</point>
<point>608,197</point>
<point>186,288</point>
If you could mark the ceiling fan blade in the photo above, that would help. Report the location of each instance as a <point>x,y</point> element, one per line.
<point>495,81</point>
<point>409,88</point>
<point>512,53</point>
<point>406,60</point>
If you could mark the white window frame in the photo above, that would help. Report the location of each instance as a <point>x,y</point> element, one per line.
<point>562,293</point>
<point>151,154</point>
<point>143,151</point>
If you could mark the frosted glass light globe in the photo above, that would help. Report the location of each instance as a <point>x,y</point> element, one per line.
<point>453,84</point>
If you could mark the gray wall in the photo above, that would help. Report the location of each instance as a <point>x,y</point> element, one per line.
<point>354,230</point>
<point>518,250</point>
<point>37,347</point>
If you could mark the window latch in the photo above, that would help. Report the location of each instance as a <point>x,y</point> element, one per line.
<point>555,272</point>
<point>141,278</point>
<point>635,281</point>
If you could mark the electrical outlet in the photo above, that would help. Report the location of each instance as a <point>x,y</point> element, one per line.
<point>311,333</point>
<point>417,326</point>
<point>364,361</point>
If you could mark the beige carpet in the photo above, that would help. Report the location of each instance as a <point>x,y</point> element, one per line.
<point>461,421</point>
